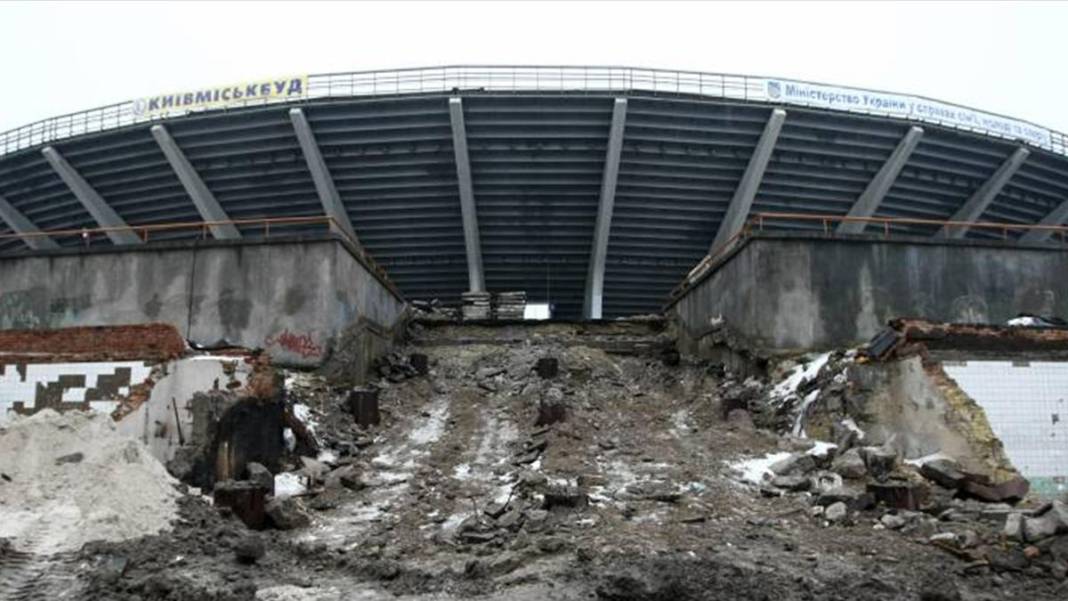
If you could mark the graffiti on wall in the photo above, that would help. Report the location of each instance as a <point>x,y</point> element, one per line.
<point>299,344</point>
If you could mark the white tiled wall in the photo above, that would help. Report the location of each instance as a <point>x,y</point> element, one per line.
<point>1027,405</point>
<point>14,389</point>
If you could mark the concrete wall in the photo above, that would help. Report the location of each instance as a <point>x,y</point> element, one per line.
<point>789,292</point>
<point>290,296</point>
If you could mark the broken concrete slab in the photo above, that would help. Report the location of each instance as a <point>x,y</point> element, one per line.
<point>286,514</point>
<point>796,463</point>
<point>850,465</point>
<point>944,472</point>
<point>1052,521</point>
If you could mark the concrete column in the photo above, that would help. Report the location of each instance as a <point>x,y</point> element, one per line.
<point>1055,217</point>
<point>869,200</point>
<point>472,242</point>
<point>104,215</point>
<point>592,303</point>
<point>738,211</point>
<point>324,183</point>
<point>21,225</point>
<point>205,202</point>
<point>981,199</point>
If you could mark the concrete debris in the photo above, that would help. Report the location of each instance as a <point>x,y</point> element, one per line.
<point>510,305</point>
<point>249,549</point>
<point>286,514</point>
<point>507,459</point>
<point>944,472</point>
<point>797,463</point>
<point>433,310</point>
<point>476,306</point>
<point>879,461</point>
<point>836,512</point>
<point>850,465</point>
<point>1048,521</point>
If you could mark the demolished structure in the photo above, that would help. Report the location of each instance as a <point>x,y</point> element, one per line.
<point>333,400</point>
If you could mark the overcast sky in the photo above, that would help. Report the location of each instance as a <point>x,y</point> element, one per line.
<point>1006,58</point>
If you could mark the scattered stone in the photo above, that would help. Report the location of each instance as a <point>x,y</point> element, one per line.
<point>1014,526</point>
<point>836,495</point>
<point>650,490</point>
<point>477,538</point>
<point>943,472</point>
<point>836,512</point>
<point>551,544</point>
<point>249,549</point>
<point>511,520</point>
<point>879,461</point>
<point>1052,521</point>
<point>72,458</point>
<point>346,476</point>
<point>530,480</point>
<point>893,522</point>
<point>797,463</point>
<point>488,372</point>
<point>495,510</point>
<point>849,465</point>
<point>1010,560</point>
<point>740,419</point>
<point>108,568</point>
<point>945,537</point>
<point>259,475</point>
<point>1011,491</point>
<point>795,483</point>
<point>286,514</point>
<point>821,482</point>
<point>535,519</point>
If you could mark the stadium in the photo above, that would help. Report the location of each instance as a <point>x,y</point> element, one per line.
<point>562,177</point>
<point>270,340</point>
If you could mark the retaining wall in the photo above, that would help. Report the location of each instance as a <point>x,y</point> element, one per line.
<point>797,292</point>
<point>291,296</point>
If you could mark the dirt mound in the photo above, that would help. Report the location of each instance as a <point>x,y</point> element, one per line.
<point>72,478</point>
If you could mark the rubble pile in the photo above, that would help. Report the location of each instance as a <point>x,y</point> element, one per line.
<point>432,310</point>
<point>476,306</point>
<point>509,305</point>
<point>69,478</point>
<point>583,461</point>
<point>879,469</point>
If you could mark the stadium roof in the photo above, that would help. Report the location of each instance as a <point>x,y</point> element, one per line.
<point>567,176</point>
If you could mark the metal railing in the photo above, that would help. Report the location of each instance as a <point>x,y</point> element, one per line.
<point>484,78</point>
<point>758,221</point>
<point>267,225</point>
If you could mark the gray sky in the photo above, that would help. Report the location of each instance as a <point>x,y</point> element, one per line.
<point>1005,58</point>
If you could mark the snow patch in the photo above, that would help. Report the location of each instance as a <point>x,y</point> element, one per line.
<point>798,375</point>
<point>288,484</point>
<point>757,469</point>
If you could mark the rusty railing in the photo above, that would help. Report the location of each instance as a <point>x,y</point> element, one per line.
<point>88,236</point>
